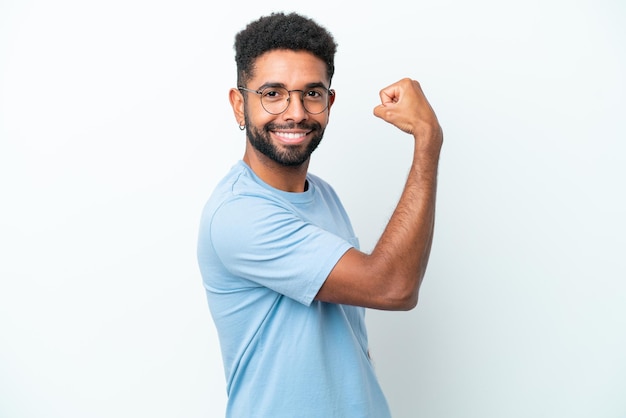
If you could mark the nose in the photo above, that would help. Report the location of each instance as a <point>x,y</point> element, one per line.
<point>295,107</point>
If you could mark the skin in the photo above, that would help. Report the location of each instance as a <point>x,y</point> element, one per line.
<point>295,70</point>
<point>390,276</point>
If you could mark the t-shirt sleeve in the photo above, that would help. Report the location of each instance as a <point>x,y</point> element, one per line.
<point>265,243</point>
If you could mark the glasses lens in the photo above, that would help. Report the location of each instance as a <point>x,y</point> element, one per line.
<point>315,100</point>
<point>275,100</point>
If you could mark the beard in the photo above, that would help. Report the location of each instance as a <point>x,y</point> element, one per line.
<point>290,156</point>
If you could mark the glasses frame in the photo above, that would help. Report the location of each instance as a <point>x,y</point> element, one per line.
<point>260,93</point>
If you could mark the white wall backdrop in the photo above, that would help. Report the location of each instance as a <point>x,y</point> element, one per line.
<point>115,125</point>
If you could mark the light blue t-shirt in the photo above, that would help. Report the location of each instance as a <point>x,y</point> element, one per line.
<point>264,254</point>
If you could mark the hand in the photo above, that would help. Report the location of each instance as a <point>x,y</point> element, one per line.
<point>404,105</point>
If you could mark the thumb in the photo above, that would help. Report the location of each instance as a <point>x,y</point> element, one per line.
<point>384,111</point>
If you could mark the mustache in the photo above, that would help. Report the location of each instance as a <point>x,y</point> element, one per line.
<point>304,126</point>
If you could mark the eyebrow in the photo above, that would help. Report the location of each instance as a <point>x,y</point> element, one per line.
<point>306,87</point>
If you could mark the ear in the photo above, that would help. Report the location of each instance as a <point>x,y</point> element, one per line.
<point>236,101</point>
<point>331,100</point>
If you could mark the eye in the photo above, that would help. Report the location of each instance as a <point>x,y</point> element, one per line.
<point>274,94</point>
<point>315,94</point>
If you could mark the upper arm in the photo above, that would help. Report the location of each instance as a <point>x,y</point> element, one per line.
<point>271,247</point>
<point>363,280</point>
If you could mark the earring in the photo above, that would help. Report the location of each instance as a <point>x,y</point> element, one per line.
<point>242,126</point>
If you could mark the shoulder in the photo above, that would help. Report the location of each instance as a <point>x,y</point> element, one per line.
<point>322,186</point>
<point>238,190</point>
<point>242,206</point>
<point>318,181</point>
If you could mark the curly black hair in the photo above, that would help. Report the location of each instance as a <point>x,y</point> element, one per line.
<point>282,31</point>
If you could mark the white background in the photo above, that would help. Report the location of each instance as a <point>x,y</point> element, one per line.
<point>115,126</point>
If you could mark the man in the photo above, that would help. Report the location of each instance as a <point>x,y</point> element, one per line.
<point>285,281</point>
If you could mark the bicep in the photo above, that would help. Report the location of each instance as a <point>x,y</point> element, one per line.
<point>361,280</point>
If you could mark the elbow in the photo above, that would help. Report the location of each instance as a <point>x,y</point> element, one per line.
<point>409,302</point>
<point>403,297</point>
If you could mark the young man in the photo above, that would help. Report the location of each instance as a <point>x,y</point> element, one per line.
<point>285,281</point>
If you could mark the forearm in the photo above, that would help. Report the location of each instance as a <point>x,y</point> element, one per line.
<point>400,257</point>
<point>390,277</point>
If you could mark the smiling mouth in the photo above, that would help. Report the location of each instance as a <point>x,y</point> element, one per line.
<point>291,137</point>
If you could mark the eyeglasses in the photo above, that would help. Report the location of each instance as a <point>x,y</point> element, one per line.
<point>275,100</point>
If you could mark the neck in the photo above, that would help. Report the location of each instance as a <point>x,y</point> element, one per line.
<point>286,178</point>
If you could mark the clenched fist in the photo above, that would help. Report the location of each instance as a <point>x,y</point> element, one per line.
<point>404,105</point>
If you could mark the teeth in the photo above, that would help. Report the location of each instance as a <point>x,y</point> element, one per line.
<point>291,135</point>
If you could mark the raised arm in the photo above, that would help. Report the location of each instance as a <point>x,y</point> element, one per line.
<point>390,277</point>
